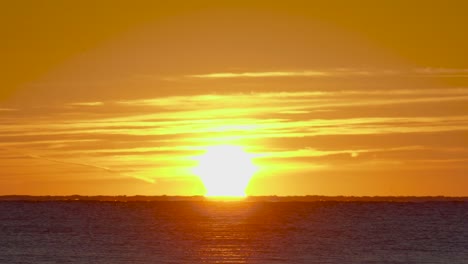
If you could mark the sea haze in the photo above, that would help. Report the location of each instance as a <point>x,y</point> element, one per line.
<point>252,231</point>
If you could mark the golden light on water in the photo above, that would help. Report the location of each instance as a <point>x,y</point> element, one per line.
<point>225,171</point>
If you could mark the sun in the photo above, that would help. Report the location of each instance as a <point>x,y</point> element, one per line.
<point>225,171</point>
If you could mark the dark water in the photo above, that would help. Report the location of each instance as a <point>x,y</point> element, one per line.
<point>233,232</point>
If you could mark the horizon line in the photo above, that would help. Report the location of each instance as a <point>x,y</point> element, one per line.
<point>198,198</point>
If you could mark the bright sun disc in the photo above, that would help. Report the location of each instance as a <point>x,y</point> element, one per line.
<point>225,171</point>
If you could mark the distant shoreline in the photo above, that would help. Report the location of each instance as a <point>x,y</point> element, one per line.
<point>307,198</point>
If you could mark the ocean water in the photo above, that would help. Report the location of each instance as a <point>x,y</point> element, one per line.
<point>233,232</point>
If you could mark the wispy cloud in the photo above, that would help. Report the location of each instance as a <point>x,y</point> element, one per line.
<point>8,109</point>
<point>222,75</point>
<point>153,138</point>
<point>442,72</point>
<point>336,72</point>
<point>87,104</point>
<point>75,163</point>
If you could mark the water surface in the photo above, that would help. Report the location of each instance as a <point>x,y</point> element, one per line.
<point>233,232</point>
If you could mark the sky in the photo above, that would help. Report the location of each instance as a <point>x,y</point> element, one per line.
<point>329,97</point>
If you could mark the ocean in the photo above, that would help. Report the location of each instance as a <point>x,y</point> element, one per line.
<point>233,232</point>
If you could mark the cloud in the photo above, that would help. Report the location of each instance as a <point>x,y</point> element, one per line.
<point>223,75</point>
<point>298,73</point>
<point>76,163</point>
<point>152,138</point>
<point>87,104</point>
<point>335,72</point>
<point>442,72</point>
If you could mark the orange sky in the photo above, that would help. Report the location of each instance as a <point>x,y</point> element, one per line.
<point>331,98</point>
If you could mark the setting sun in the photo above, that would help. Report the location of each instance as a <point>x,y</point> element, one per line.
<point>225,171</point>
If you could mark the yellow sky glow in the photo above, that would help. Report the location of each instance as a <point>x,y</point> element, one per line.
<point>352,99</point>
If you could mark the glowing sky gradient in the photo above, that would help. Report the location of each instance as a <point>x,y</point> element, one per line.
<point>350,99</point>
